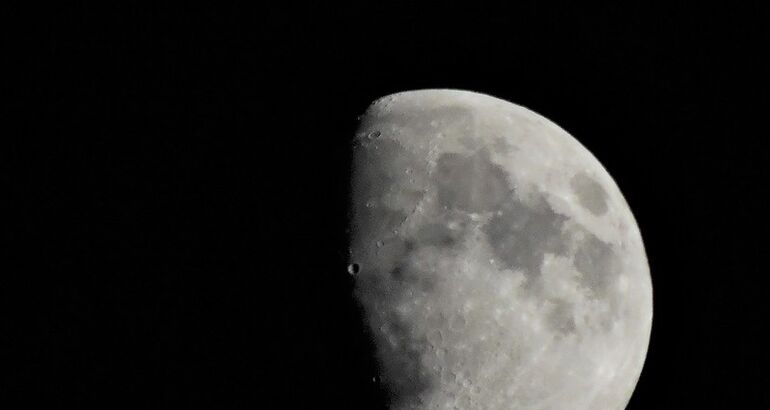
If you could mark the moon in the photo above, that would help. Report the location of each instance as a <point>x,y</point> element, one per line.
<point>496,261</point>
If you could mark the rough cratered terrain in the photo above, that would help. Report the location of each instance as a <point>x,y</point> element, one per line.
<point>499,266</point>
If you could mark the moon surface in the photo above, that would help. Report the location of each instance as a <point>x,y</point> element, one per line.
<point>496,261</point>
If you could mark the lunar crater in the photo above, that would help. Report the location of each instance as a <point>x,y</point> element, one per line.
<point>453,121</point>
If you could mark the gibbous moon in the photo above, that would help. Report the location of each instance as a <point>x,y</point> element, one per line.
<point>497,263</point>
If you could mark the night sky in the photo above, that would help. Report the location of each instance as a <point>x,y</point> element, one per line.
<point>176,186</point>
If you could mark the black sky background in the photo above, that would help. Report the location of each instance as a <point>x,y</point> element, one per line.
<point>176,186</point>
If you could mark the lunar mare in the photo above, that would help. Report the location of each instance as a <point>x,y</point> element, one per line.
<point>497,263</point>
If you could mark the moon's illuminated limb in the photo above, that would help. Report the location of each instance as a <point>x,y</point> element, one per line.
<point>498,264</point>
